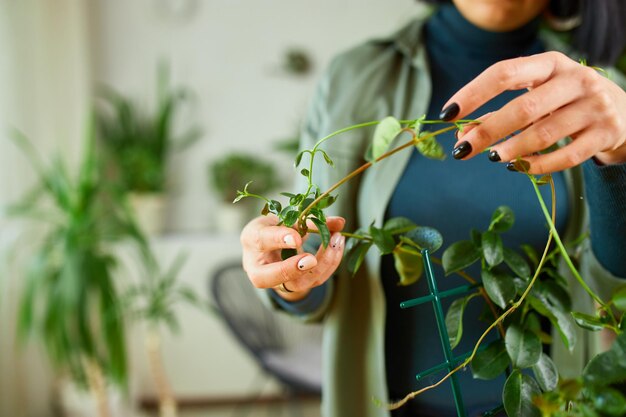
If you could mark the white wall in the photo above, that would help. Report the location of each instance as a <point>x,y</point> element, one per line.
<point>228,52</point>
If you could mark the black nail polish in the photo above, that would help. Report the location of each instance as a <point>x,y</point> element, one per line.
<point>449,112</point>
<point>462,150</point>
<point>494,156</point>
<point>511,167</point>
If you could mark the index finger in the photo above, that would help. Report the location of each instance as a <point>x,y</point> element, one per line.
<point>511,74</point>
<point>263,235</point>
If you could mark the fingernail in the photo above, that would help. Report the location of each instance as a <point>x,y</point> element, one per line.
<point>462,150</point>
<point>305,263</point>
<point>289,241</point>
<point>337,240</point>
<point>511,167</point>
<point>449,112</point>
<point>494,156</point>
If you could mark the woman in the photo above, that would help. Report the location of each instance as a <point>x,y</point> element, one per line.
<point>470,58</point>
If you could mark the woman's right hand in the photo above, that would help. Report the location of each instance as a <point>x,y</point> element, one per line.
<point>262,241</point>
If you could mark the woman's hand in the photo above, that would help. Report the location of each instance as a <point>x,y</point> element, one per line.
<point>262,241</point>
<point>564,99</point>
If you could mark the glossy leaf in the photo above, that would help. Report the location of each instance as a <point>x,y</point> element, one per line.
<point>493,250</point>
<point>459,255</point>
<point>454,319</point>
<point>357,255</point>
<point>518,394</point>
<point>323,230</point>
<point>619,298</point>
<point>431,148</point>
<point>383,240</point>
<point>290,218</point>
<point>523,346</point>
<point>502,219</point>
<point>491,362</point>
<point>499,287</point>
<point>426,238</point>
<point>397,225</point>
<point>517,263</point>
<point>608,367</point>
<point>408,265</point>
<point>588,322</point>
<point>385,133</point>
<point>546,373</point>
<point>562,320</point>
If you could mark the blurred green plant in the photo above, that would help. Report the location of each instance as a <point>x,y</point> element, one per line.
<point>70,302</point>
<point>138,143</point>
<point>230,171</point>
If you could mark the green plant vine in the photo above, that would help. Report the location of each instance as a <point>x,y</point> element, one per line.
<point>507,285</point>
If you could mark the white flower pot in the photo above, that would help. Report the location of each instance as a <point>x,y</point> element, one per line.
<point>149,209</point>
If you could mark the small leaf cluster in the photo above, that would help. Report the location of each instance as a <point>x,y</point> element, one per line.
<point>400,237</point>
<point>506,275</point>
<point>599,392</point>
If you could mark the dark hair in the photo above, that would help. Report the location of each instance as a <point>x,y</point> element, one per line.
<point>601,37</point>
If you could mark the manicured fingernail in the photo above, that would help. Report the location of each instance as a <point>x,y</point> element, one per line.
<point>305,263</point>
<point>494,156</point>
<point>449,112</point>
<point>337,241</point>
<point>289,241</point>
<point>462,150</point>
<point>511,167</point>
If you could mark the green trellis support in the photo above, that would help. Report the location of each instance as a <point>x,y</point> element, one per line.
<point>451,361</point>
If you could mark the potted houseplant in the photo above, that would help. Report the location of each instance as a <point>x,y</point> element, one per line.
<point>226,174</point>
<point>153,302</point>
<point>138,144</point>
<point>70,302</point>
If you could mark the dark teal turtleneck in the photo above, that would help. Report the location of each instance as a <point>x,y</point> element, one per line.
<point>454,197</point>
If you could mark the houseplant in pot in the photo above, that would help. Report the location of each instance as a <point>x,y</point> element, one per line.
<point>70,303</point>
<point>138,144</point>
<point>230,171</point>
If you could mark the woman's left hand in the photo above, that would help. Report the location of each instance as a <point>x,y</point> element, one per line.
<point>564,99</point>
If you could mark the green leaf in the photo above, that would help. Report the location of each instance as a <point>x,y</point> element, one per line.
<point>275,207</point>
<point>517,263</point>
<point>409,266</point>
<point>290,218</point>
<point>545,179</point>
<point>524,346</point>
<point>560,319</point>
<point>431,148</point>
<point>385,133</point>
<point>459,255</point>
<point>305,172</point>
<point>608,367</point>
<point>619,298</point>
<point>499,287</point>
<point>382,239</point>
<point>518,394</point>
<point>454,319</point>
<point>477,237</point>
<point>546,373</point>
<point>426,238</point>
<point>323,229</point>
<point>397,225</point>
<point>491,362</point>
<point>531,253</point>
<point>609,401</point>
<point>327,158</point>
<point>326,202</point>
<point>588,322</point>
<point>493,251</point>
<point>299,158</point>
<point>357,255</point>
<point>502,219</point>
<point>266,210</point>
